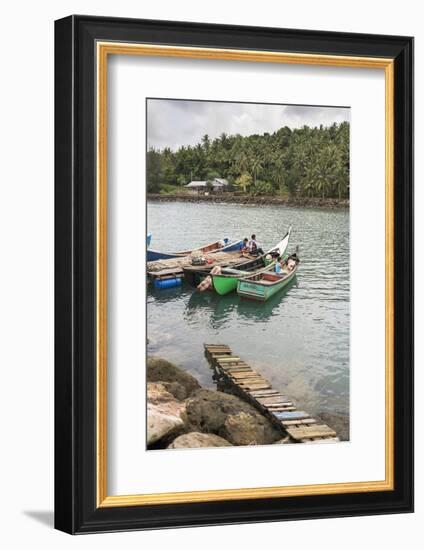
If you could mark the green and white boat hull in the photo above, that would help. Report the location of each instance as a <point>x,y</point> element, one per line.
<point>226,282</point>
<point>261,291</point>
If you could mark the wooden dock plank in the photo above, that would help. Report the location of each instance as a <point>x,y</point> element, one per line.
<point>256,386</point>
<point>281,407</point>
<point>306,421</point>
<point>243,374</point>
<point>306,432</point>
<point>264,393</point>
<point>272,400</point>
<point>299,425</point>
<point>294,415</point>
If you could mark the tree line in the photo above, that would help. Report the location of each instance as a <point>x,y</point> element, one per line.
<point>310,162</point>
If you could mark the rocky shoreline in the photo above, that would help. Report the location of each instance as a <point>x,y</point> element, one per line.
<point>182,414</point>
<point>229,198</point>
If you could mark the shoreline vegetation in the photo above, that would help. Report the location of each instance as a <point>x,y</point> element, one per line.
<point>182,414</point>
<point>231,198</point>
<point>301,163</point>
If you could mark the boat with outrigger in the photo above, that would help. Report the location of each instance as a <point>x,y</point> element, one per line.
<point>224,279</point>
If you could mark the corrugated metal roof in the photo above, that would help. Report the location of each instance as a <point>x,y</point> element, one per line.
<point>217,182</point>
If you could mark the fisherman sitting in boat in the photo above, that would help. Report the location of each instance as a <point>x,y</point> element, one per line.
<point>254,250</point>
<point>281,267</point>
<point>245,246</point>
<point>284,267</point>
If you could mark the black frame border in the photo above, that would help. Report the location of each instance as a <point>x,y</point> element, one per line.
<point>75,274</point>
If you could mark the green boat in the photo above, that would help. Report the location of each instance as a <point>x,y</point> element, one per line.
<point>227,280</point>
<point>262,286</point>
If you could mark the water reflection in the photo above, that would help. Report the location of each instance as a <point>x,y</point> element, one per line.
<point>221,308</point>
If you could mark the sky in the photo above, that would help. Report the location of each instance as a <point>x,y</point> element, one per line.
<point>173,123</point>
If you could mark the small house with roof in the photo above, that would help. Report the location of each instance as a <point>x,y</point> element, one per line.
<point>218,184</point>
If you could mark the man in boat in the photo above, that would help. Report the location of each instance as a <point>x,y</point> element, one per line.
<point>281,266</point>
<point>284,267</point>
<point>254,250</point>
<point>245,246</point>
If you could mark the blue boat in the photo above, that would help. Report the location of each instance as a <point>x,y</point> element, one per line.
<point>223,245</point>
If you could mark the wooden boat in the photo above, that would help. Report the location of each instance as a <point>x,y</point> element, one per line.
<point>223,245</point>
<point>195,274</point>
<point>261,286</point>
<point>227,280</point>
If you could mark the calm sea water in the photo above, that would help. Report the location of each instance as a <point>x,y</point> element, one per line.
<point>299,339</point>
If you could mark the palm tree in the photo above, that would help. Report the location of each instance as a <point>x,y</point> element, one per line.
<point>256,165</point>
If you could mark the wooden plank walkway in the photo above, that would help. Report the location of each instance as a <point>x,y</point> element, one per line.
<point>173,267</point>
<point>255,389</point>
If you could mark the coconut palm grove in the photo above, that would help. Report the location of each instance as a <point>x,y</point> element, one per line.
<point>300,162</point>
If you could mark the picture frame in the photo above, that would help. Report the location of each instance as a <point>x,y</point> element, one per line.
<point>83,45</point>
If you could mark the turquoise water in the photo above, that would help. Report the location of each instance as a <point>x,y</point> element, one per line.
<point>299,339</point>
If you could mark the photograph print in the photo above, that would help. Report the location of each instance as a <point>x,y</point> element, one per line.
<point>247,260</point>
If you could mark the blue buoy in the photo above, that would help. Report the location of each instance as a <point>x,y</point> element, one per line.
<point>167,283</point>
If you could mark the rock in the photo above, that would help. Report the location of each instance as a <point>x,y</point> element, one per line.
<point>176,389</point>
<point>338,421</point>
<point>221,413</point>
<point>164,414</point>
<point>160,370</point>
<point>248,429</point>
<point>197,439</point>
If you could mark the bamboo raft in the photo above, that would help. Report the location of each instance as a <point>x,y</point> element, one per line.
<point>173,267</point>
<point>255,389</point>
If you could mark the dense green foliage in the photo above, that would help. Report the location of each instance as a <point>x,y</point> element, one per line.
<point>311,162</point>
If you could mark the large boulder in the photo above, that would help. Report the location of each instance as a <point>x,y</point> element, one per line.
<point>229,417</point>
<point>177,381</point>
<point>197,439</point>
<point>248,429</point>
<point>164,414</point>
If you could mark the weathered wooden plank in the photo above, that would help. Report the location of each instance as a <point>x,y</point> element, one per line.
<point>216,346</point>
<point>257,386</point>
<point>316,430</point>
<point>295,422</point>
<point>255,382</point>
<point>281,409</point>
<point>270,398</point>
<point>231,373</point>
<point>229,359</point>
<point>235,368</point>
<point>278,407</point>
<point>264,393</point>
<point>295,415</point>
<point>276,401</point>
<point>245,374</point>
